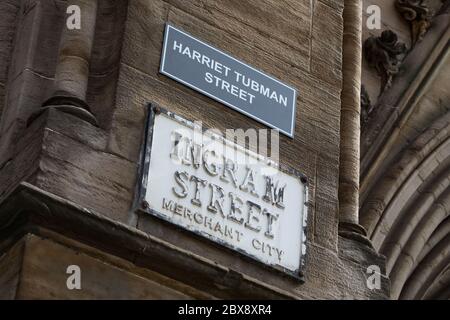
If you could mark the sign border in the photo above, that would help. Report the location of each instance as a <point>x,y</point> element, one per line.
<point>162,71</point>
<point>140,205</point>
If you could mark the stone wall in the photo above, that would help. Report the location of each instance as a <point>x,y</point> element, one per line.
<point>95,169</point>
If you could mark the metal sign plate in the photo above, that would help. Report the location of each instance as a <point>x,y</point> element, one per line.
<point>223,192</point>
<point>228,80</point>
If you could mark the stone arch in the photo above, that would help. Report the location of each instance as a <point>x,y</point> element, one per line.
<point>404,264</point>
<point>402,174</point>
<point>431,267</point>
<point>441,232</point>
<point>439,288</point>
<point>406,214</point>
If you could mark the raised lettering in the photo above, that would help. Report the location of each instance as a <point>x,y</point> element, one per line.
<point>181,178</point>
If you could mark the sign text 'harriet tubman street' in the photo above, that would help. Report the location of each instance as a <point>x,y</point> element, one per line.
<point>228,80</point>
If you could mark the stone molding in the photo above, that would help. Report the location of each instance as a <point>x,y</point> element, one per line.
<point>39,208</point>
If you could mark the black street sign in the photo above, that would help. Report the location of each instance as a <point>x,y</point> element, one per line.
<point>228,80</point>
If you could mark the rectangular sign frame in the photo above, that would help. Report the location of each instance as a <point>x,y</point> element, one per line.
<point>268,118</point>
<point>140,205</point>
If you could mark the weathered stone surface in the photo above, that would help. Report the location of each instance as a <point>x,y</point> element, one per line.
<point>32,65</point>
<point>8,14</point>
<point>37,37</point>
<point>88,176</point>
<point>83,177</point>
<point>287,18</point>
<point>102,277</point>
<point>362,258</point>
<point>10,270</point>
<point>25,161</point>
<point>325,57</point>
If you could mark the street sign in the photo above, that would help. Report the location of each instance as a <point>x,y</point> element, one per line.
<point>228,80</point>
<point>223,192</point>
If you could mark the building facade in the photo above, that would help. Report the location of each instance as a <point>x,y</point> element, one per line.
<point>404,146</point>
<point>370,138</point>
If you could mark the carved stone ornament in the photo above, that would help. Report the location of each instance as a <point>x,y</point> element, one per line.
<point>417,13</point>
<point>385,54</point>
<point>445,8</point>
<point>366,105</point>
